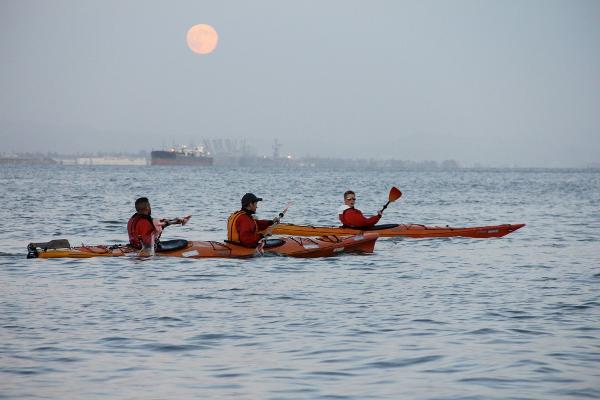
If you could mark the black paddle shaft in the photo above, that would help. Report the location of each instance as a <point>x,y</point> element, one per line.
<point>386,204</point>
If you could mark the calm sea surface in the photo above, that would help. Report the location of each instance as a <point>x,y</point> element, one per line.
<point>510,318</point>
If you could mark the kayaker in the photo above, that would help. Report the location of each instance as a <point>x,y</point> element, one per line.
<point>353,217</point>
<point>242,225</point>
<point>143,230</point>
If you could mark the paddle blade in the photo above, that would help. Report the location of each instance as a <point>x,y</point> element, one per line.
<point>395,194</point>
<point>53,244</point>
<point>32,248</point>
<point>178,220</point>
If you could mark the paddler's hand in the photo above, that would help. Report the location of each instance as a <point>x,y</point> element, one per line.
<point>260,248</point>
<point>380,213</point>
<point>276,220</point>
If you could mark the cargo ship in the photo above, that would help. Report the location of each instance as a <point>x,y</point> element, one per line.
<point>181,156</point>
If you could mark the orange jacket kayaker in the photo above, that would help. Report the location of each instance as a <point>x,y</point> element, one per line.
<point>354,218</point>
<point>242,225</point>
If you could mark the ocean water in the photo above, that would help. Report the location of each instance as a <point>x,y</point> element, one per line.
<point>516,317</point>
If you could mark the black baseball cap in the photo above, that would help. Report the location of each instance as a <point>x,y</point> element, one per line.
<point>249,198</point>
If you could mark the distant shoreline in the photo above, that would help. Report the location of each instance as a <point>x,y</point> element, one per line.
<point>284,163</point>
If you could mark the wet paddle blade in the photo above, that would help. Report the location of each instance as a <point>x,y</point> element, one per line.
<point>395,194</point>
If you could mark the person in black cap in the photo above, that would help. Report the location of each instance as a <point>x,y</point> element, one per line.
<point>243,227</point>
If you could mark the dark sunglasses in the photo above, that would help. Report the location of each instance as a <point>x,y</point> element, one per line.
<point>351,198</point>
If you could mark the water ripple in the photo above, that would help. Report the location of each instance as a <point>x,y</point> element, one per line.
<point>169,348</point>
<point>403,362</point>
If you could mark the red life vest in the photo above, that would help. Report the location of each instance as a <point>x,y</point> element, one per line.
<point>141,230</point>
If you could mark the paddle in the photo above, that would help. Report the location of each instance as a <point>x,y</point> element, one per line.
<point>269,230</point>
<point>394,195</point>
<point>176,221</point>
<point>281,214</point>
<point>53,244</point>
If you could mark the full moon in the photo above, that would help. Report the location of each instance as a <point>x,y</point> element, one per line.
<point>202,38</point>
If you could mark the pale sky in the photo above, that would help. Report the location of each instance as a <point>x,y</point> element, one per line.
<point>493,82</point>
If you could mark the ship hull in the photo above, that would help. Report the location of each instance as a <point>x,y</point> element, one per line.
<point>172,158</point>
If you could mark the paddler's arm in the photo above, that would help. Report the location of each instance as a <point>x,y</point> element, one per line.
<point>354,217</point>
<point>265,226</point>
<point>247,232</point>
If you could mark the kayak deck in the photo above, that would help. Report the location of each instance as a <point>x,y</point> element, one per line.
<point>400,230</point>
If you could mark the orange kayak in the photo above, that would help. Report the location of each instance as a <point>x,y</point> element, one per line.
<point>325,246</point>
<point>400,230</point>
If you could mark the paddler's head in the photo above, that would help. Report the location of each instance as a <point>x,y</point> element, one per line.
<point>250,202</point>
<point>142,206</point>
<point>349,198</point>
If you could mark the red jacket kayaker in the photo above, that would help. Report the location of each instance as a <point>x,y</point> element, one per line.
<point>354,218</point>
<point>141,228</point>
<point>243,227</point>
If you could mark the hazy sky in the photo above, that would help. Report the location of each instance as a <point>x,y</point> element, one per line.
<point>495,82</point>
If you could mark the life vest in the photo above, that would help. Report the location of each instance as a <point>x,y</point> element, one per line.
<point>233,235</point>
<point>135,238</point>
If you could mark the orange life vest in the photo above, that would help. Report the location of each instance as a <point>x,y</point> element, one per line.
<point>233,234</point>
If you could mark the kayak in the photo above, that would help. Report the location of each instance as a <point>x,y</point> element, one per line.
<point>175,248</point>
<point>400,230</point>
<point>325,246</point>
